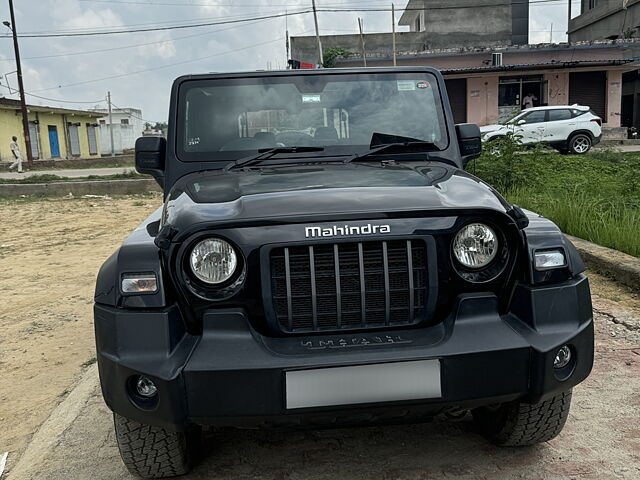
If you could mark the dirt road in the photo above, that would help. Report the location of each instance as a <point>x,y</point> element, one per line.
<point>50,252</point>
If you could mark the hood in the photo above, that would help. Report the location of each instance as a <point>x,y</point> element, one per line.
<point>491,128</point>
<point>318,192</point>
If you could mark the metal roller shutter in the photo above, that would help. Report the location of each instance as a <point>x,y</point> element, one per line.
<point>589,89</point>
<point>33,139</point>
<point>74,140</point>
<point>457,90</point>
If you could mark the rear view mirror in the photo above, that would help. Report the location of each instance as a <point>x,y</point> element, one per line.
<point>521,122</point>
<point>150,156</point>
<point>469,141</point>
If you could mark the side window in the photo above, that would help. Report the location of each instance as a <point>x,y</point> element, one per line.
<point>534,117</point>
<point>561,114</point>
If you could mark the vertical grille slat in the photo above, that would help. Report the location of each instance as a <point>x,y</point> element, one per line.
<point>287,269</point>
<point>387,293</point>
<point>336,266</point>
<point>410,274</point>
<point>349,285</point>
<point>363,287</point>
<point>314,294</point>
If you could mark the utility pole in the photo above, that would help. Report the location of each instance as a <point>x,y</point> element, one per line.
<point>23,103</point>
<point>315,20</point>
<point>286,29</point>
<point>113,150</point>
<point>364,53</point>
<point>551,34</point>
<point>393,30</point>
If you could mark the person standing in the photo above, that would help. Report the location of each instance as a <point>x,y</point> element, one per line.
<point>527,102</point>
<point>17,156</point>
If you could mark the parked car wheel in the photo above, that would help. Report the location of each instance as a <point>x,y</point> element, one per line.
<point>154,452</point>
<point>580,144</point>
<point>518,424</point>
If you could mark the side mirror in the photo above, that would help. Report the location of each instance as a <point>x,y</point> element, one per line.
<point>150,156</point>
<point>521,122</point>
<point>469,141</point>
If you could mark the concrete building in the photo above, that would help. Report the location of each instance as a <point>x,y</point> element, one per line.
<point>54,132</point>
<point>483,92</point>
<point>605,19</point>
<point>127,126</point>
<point>434,25</point>
<point>452,23</point>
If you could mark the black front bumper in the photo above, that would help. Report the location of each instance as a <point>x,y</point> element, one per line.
<point>232,375</point>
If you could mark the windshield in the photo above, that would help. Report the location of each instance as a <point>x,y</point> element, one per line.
<point>227,119</point>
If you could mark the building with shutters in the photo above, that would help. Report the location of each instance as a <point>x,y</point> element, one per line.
<point>487,85</point>
<point>55,133</point>
<point>488,65</point>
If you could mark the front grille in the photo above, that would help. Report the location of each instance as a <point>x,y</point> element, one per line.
<point>349,285</point>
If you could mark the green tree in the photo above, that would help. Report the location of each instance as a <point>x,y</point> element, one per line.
<point>331,55</point>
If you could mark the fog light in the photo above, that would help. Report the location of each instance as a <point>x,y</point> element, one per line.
<point>563,357</point>
<point>146,387</point>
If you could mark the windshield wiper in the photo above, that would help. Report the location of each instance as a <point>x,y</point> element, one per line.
<point>388,146</point>
<point>267,154</point>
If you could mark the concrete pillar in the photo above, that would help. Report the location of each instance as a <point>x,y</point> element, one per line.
<point>482,100</point>
<point>614,97</point>
<point>557,84</point>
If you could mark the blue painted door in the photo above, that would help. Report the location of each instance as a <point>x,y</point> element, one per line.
<point>53,141</point>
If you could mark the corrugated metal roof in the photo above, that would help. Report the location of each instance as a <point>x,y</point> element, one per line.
<point>539,65</point>
<point>10,103</point>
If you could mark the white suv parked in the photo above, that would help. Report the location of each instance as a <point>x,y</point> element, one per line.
<point>568,129</point>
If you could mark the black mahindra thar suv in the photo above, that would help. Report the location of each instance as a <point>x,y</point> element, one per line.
<point>322,257</point>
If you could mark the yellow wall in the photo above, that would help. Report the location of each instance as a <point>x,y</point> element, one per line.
<point>11,124</point>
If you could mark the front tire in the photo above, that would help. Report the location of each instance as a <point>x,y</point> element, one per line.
<point>154,452</point>
<point>518,424</point>
<point>580,144</point>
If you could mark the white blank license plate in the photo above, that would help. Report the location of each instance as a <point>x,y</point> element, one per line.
<point>381,382</point>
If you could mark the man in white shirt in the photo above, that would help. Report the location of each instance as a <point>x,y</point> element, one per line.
<point>17,156</point>
<point>527,101</point>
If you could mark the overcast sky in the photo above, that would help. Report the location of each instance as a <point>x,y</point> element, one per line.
<point>139,68</point>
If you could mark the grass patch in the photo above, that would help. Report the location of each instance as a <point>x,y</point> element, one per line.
<point>89,362</point>
<point>48,178</point>
<point>594,196</point>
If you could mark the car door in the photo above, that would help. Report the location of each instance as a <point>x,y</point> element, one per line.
<point>531,127</point>
<point>560,123</point>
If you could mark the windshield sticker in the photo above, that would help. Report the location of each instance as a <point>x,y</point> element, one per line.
<point>406,85</point>
<point>423,84</point>
<point>310,98</point>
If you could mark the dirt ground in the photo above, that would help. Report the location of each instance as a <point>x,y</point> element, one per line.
<point>50,252</point>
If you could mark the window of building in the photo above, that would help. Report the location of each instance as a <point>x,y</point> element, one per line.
<point>561,114</point>
<point>103,122</point>
<point>124,121</point>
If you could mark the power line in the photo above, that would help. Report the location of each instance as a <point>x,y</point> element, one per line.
<point>160,67</point>
<point>126,29</point>
<point>124,47</point>
<point>157,29</point>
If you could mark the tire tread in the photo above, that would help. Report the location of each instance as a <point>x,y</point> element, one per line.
<point>151,452</point>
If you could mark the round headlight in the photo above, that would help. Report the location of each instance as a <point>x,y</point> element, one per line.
<point>213,261</point>
<point>475,245</point>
